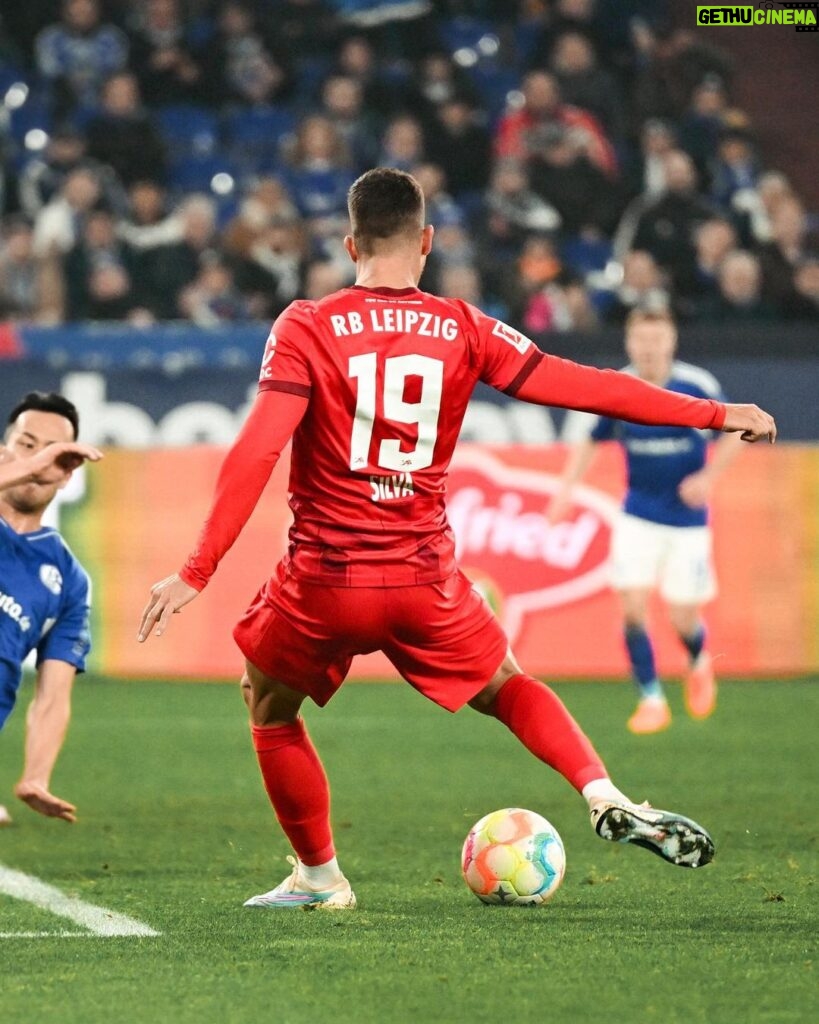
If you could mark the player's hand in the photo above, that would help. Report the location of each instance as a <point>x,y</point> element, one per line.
<point>695,489</point>
<point>167,598</point>
<point>40,800</point>
<point>754,423</point>
<point>558,507</point>
<point>64,457</point>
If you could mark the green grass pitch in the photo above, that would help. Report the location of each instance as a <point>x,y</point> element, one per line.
<point>175,831</point>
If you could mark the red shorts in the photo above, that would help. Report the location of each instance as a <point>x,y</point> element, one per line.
<point>442,637</point>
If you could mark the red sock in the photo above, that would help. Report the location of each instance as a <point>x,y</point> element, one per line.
<point>297,786</point>
<point>542,723</point>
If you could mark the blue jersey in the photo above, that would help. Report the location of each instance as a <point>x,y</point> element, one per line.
<point>45,597</point>
<point>660,458</point>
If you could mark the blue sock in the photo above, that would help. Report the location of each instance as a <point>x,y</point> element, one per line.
<point>641,655</point>
<point>695,642</point>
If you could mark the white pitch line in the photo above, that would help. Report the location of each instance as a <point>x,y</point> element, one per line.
<point>98,920</point>
<point>50,935</point>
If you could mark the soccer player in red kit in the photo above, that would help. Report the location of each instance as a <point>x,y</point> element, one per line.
<point>372,383</point>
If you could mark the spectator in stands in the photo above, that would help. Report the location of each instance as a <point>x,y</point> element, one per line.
<point>147,223</point>
<point>440,207</point>
<point>342,101</point>
<point>702,125</point>
<point>99,272</point>
<point>804,303</point>
<point>438,80</point>
<point>697,283</point>
<point>319,176</point>
<point>543,110</point>
<point>323,277</point>
<point>642,287</point>
<point>462,146</point>
<point>59,222</point>
<point>513,209</point>
<point>785,251</point>
<point>402,145</point>
<point>43,177</point>
<point>462,281</point>
<point>78,54</point>
<point>123,136</point>
<point>549,298</point>
<point>561,173</point>
<point>664,225</point>
<point>241,64</point>
<point>740,297</point>
<point>583,83</point>
<point>270,270</point>
<point>771,188</point>
<point>30,286</point>
<point>647,173</point>
<point>735,168</point>
<point>577,16</point>
<point>356,59</point>
<point>161,56</point>
<point>212,298</point>
<point>306,27</point>
<point>267,203</point>
<point>671,63</point>
<point>165,271</point>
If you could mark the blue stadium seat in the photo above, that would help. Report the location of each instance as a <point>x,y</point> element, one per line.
<point>195,173</point>
<point>253,136</point>
<point>188,131</point>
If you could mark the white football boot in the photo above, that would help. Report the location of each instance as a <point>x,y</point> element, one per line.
<point>676,839</point>
<point>5,817</point>
<point>295,892</point>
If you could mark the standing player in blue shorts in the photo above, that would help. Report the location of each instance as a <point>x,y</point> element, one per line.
<point>44,592</point>
<point>662,538</point>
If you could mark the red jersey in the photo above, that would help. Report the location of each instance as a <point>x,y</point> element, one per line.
<point>373,384</point>
<point>388,374</point>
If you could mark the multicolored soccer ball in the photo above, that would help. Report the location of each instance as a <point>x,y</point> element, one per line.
<point>513,857</point>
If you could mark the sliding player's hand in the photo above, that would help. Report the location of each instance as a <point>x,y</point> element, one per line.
<point>754,423</point>
<point>168,597</point>
<point>40,800</point>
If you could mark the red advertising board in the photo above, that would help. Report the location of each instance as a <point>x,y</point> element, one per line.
<point>547,583</point>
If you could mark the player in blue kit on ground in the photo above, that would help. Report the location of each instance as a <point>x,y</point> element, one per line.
<point>44,591</point>
<point>662,538</point>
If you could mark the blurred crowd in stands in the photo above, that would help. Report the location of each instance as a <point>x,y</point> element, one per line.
<point>164,159</point>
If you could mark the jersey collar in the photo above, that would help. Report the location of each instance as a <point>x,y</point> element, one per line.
<point>385,291</point>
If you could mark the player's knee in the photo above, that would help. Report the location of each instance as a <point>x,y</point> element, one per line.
<point>484,700</point>
<point>244,686</point>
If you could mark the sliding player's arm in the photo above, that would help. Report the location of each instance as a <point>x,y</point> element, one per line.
<point>63,456</point>
<point>46,724</point>
<point>242,478</point>
<point>61,654</point>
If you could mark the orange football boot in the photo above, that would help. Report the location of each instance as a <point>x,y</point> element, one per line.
<point>701,687</point>
<point>652,715</point>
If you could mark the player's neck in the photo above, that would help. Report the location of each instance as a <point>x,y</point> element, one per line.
<point>387,272</point>
<point>20,522</point>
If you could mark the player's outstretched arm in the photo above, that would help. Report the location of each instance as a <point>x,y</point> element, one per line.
<point>46,725</point>
<point>242,478</point>
<point>752,423</point>
<point>569,385</point>
<point>62,457</point>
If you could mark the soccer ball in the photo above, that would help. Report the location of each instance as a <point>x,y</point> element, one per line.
<point>513,856</point>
